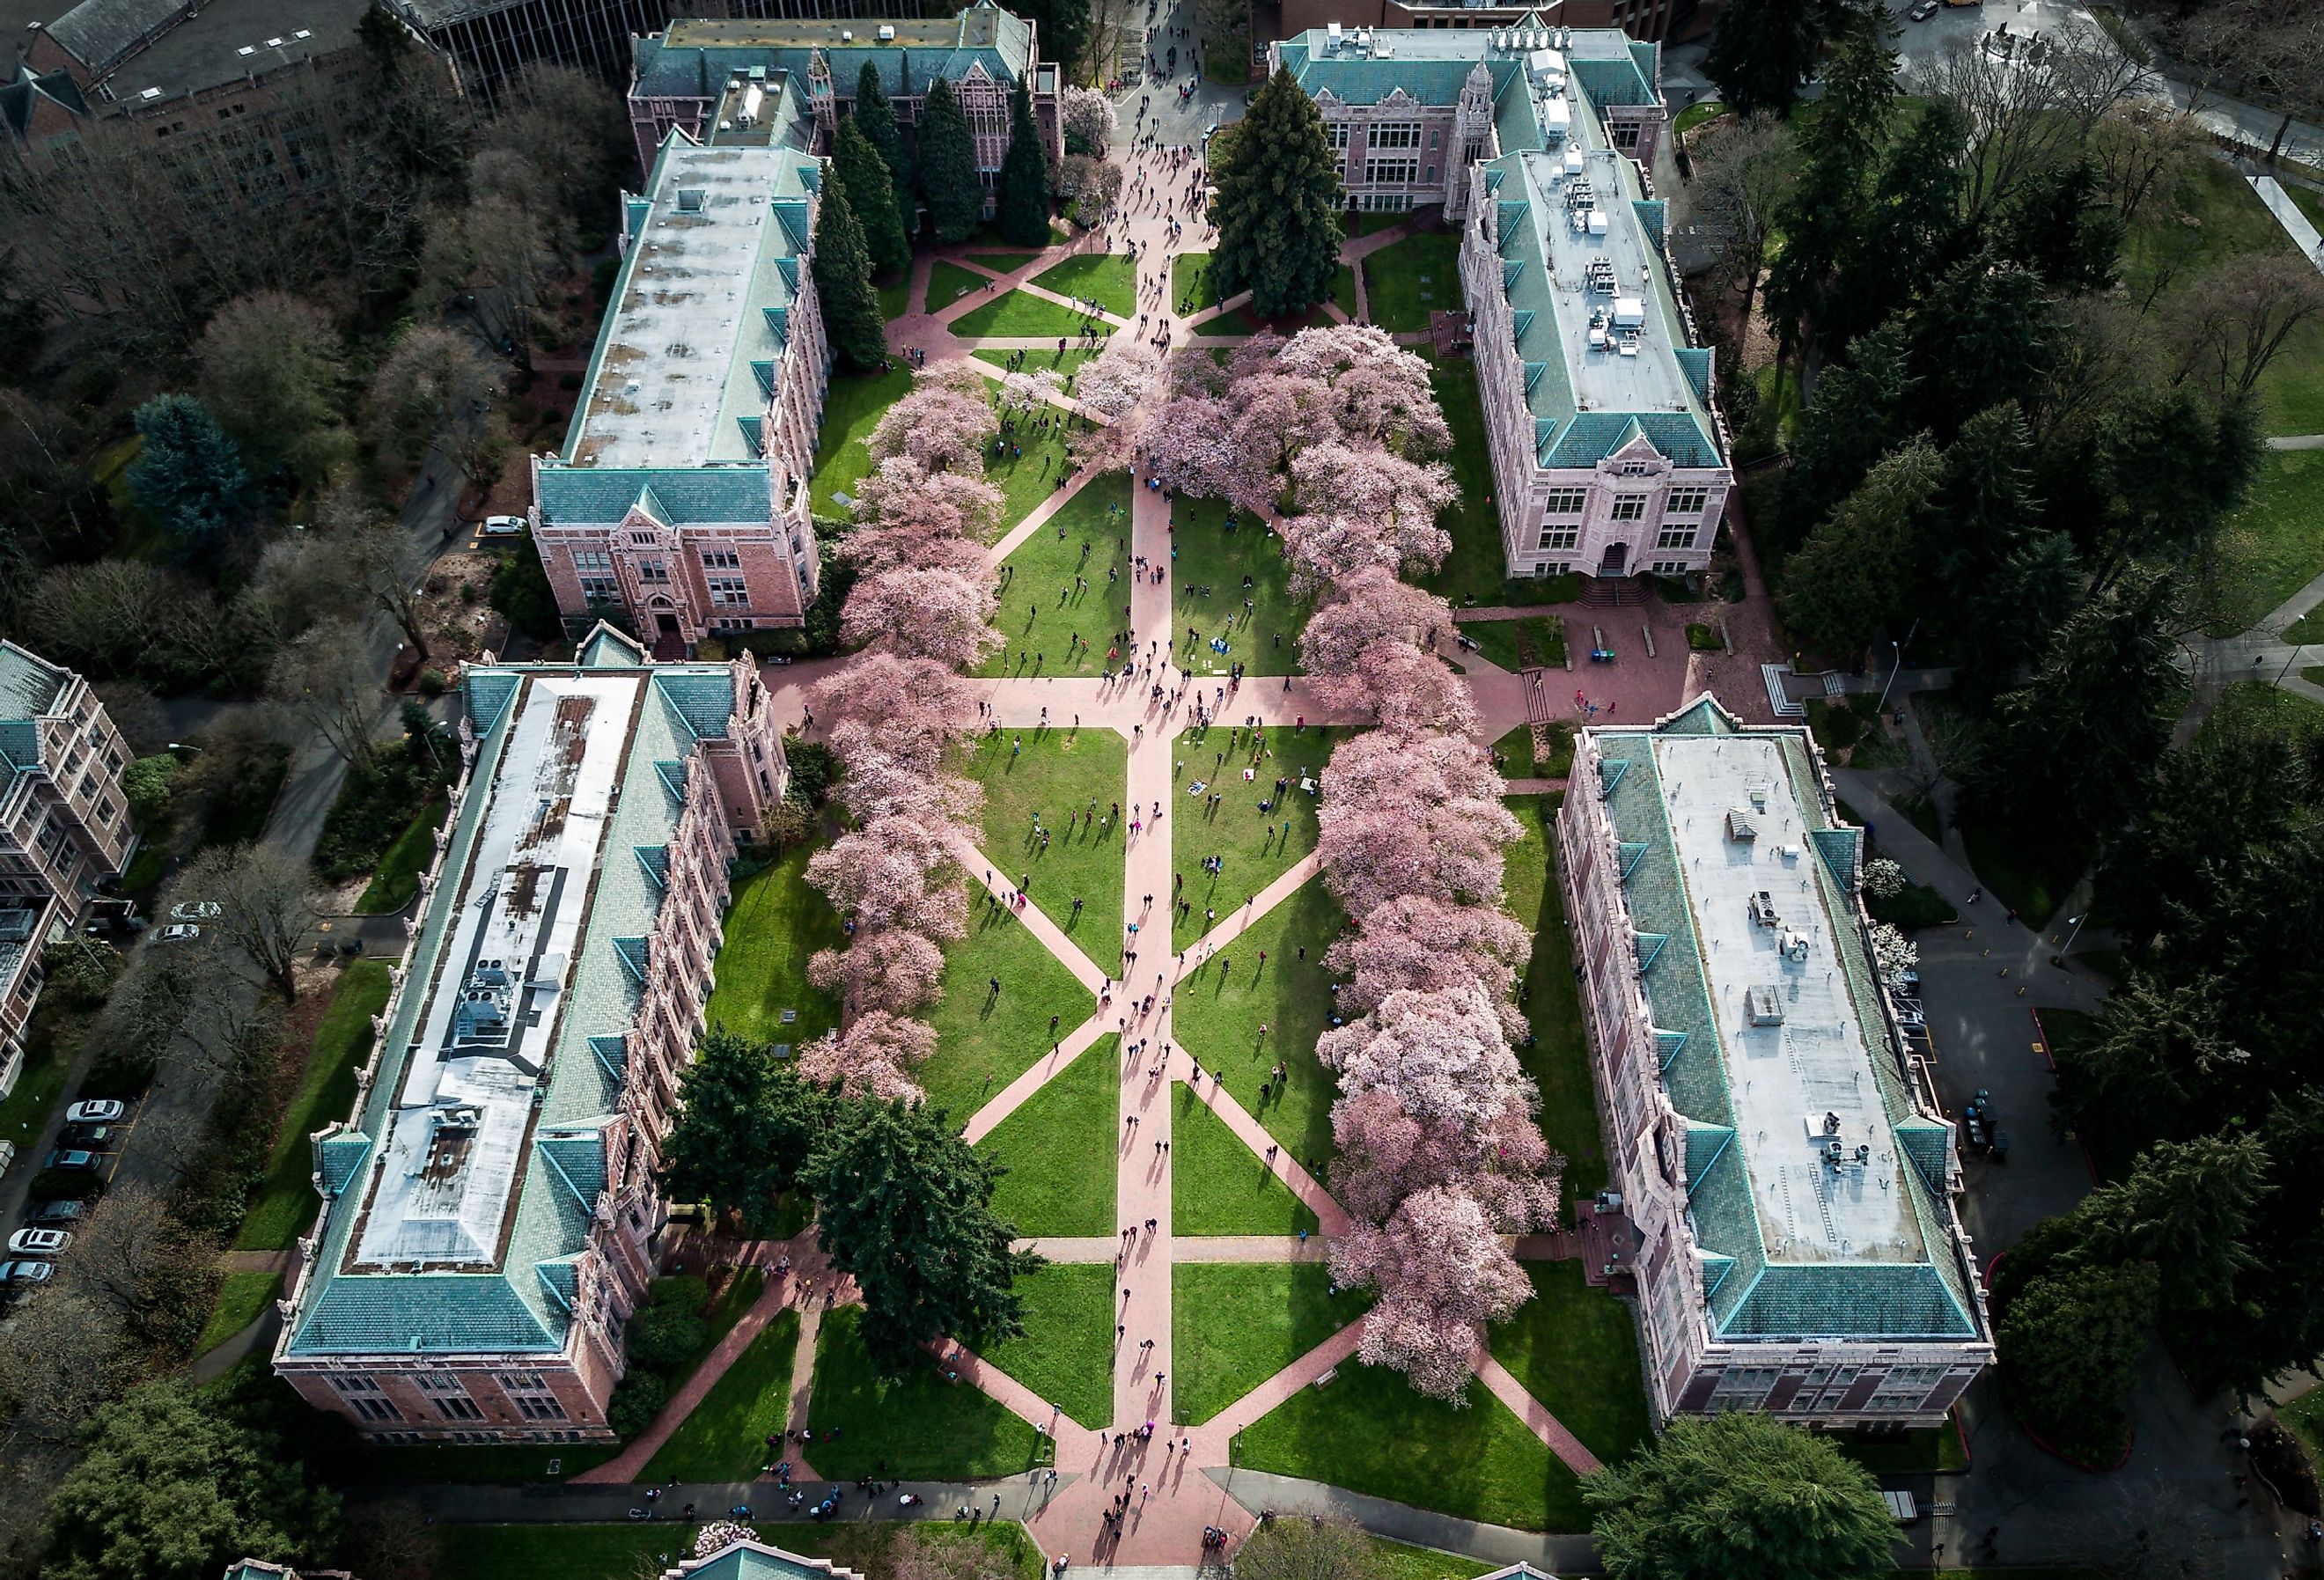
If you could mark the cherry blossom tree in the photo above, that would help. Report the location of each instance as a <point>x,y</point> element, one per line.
<point>907,708</point>
<point>1363,507</point>
<point>1119,377</point>
<point>1253,356</point>
<point>1086,115</point>
<point>900,494</point>
<point>943,424</point>
<point>1387,1155</point>
<point>1368,606</point>
<point>896,971</point>
<point>937,614</point>
<point>1190,445</point>
<point>1021,392</point>
<point>1442,1277</point>
<point>1441,1052</point>
<point>1415,943</point>
<point>1407,815</point>
<point>1892,952</point>
<point>871,1057</point>
<point>893,873</point>
<point>1094,183</point>
<point>1277,414</point>
<point>1380,392</point>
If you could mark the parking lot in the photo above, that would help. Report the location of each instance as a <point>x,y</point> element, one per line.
<point>92,1138</point>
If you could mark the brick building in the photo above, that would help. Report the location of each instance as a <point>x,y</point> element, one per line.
<point>1609,453</point>
<point>64,823</point>
<point>1661,21</point>
<point>679,501</point>
<point>678,77</point>
<point>1785,1163</point>
<point>489,1216</point>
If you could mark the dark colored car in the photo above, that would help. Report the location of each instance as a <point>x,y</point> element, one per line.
<point>50,1214</point>
<point>74,1162</point>
<point>88,1137</point>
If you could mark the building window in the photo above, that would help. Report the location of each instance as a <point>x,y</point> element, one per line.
<point>1337,131</point>
<point>1676,538</point>
<point>1393,134</point>
<point>1630,508</point>
<point>1390,171</point>
<point>1431,174</point>
<point>364,1397</point>
<point>653,570</point>
<point>1560,537</point>
<point>592,559</point>
<point>1635,468</point>
<point>1743,1387</point>
<point>104,813</point>
<point>721,560</point>
<point>1566,501</point>
<point>730,591</point>
<point>643,539</point>
<point>1668,567</point>
<point>531,1395</point>
<point>1624,136</point>
<point>599,589</point>
<point>1905,1388</point>
<point>451,1399</point>
<point>1686,502</point>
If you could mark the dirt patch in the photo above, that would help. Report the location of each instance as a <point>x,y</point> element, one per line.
<point>459,623</point>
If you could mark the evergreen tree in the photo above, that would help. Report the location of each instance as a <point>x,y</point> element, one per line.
<point>1024,177</point>
<point>1856,572</point>
<point>1062,29</point>
<point>1278,205</point>
<point>1762,52</point>
<point>1823,216</point>
<point>871,197</point>
<point>1739,1496</point>
<point>876,115</point>
<point>2069,1345</point>
<point>189,475</point>
<point>1911,230</point>
<point>2185,1207</point>
<point>1987,333</point>
<point>1858,417</point>
<point>744,1124</point>
<point>2060,226</point>
<point>842,280</point>
<point>2076,748</point>
<point>906,1210</point>
<point>2215,449</point>
<point>948,179</point>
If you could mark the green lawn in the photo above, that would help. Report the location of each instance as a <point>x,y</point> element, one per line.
<point>1366,223</point>
<point>1478,567</point>
<point>1406,281</point>
<point>241,1299</point>
<point>1233,1325</point>
<point>1343,291</point>
<point>1190,285</point>
<point>895,294</point>
<point>723,1438</point>
<point>2274,545</point>
<point>914,1428</point>
<point>1576,1350</point>
<point>2307,628</point>
<point>1927,1452</point>
<point>850,412</point>
<point>1065,1353</point>
<point>1059,587</point>
<point>1694,114</point>
<point>1002,263</point>
<point>1218,1015</point>
<point>396,879</point>
<point>1515,753</point>
<point>1015,313</point>
<point>2031,878</point>
<point>774,921</point>
<point>1264,638</point>
<point>1519,644</point>
<point>40,1084</point>
<point>286,1201</point>
<point>1218,1186</point>
<point>1253,847</point>
<point>1368,1431</point>
<point>1556,1056</point>
<point>1035,782</point>
<point>1060,1149</point>
<point>1032,463</point>
<point>984,1042</point>
<point>948,283</point>
<point>1067,362</point>
<point>1108,279</point>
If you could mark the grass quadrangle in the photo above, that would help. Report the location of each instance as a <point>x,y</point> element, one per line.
<point>1065,1353</point>
<point>1407,279</point>
<point>1231,585</point>
<point>1555,1054</point>
<point>1108,279</point>
<point>1021,315</point>
<point>1218,1186</point>
<point>1060,1149</point>
<point>723,1438</point>
<point>1575,1349</point>
<point>774,922</point>
<point>916,1426</point>
<point>851,410</point>
<point>1059,587</point>
<point>948,283</point>
<point>1218,1013</point>
<point>985,1039</point>
<point>1039,786</point>
<point>1255,831</point>
<point>1236,1323</point>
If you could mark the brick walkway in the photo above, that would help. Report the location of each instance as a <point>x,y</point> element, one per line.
<point>1165,1526</point>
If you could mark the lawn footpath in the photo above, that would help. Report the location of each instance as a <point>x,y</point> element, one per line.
<point>1039,787</point>
<point>1231,585</point>
<point>1058,1148</point>
<point>917,1427</point>
<point>1575,1349</point>
<point>1255,831</point>
<point>723,1438</point>
<point>1062,589</point>
<point>1219,1187</point>
<point>985,1039</point>
<point>1236,1323</point>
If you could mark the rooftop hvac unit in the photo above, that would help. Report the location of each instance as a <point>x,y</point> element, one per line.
<point>846,35</point>
<point>1333,33</point>
<point>1629,311</point>
<point>1597,222</point>
<point>1765,1006</point>
<point>887,33</point>
<point>1573,158</point>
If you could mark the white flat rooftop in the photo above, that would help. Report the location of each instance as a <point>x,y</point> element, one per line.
<point>1797,1087</point>
<point>444,1176</point>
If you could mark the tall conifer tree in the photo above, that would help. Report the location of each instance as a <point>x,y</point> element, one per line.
<point>872,197</point>
<point>877,116</point>
<point>1024,177</point>
<point>1278,205</point>
<point>948,181</point>
<point>842,280</point>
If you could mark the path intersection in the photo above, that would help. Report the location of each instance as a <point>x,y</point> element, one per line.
<point>1172,1499</point>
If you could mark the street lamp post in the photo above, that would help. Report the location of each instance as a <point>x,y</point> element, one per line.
<point>1899,667</point>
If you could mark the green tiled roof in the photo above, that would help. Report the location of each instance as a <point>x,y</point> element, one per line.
<point>1751,1296</point>
<point>420,1313</point>
<point>993,39</point>
<point>734,492</point>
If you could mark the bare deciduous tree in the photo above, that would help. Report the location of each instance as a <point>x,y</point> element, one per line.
<point>1741,171</point>
<point>272,373</point>
<point>264,906</point>
<point>324,681</point>
<point>2141,150</point>
<point>437,389</point>
<point>60,1357</point>
<point>2229,324</point>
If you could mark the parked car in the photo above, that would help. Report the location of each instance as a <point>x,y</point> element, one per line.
<point>196,910</point>
<point>1907,979</point>
<point>27,1272</point>
<point>1924,11</point>
<point>98,1111</point>
<point>503,526</point>
<point>68,1211</point>
<point>39,1241</point>
<point>91,1137</point>
<point>73,1161</point>
<point>178,932</point>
